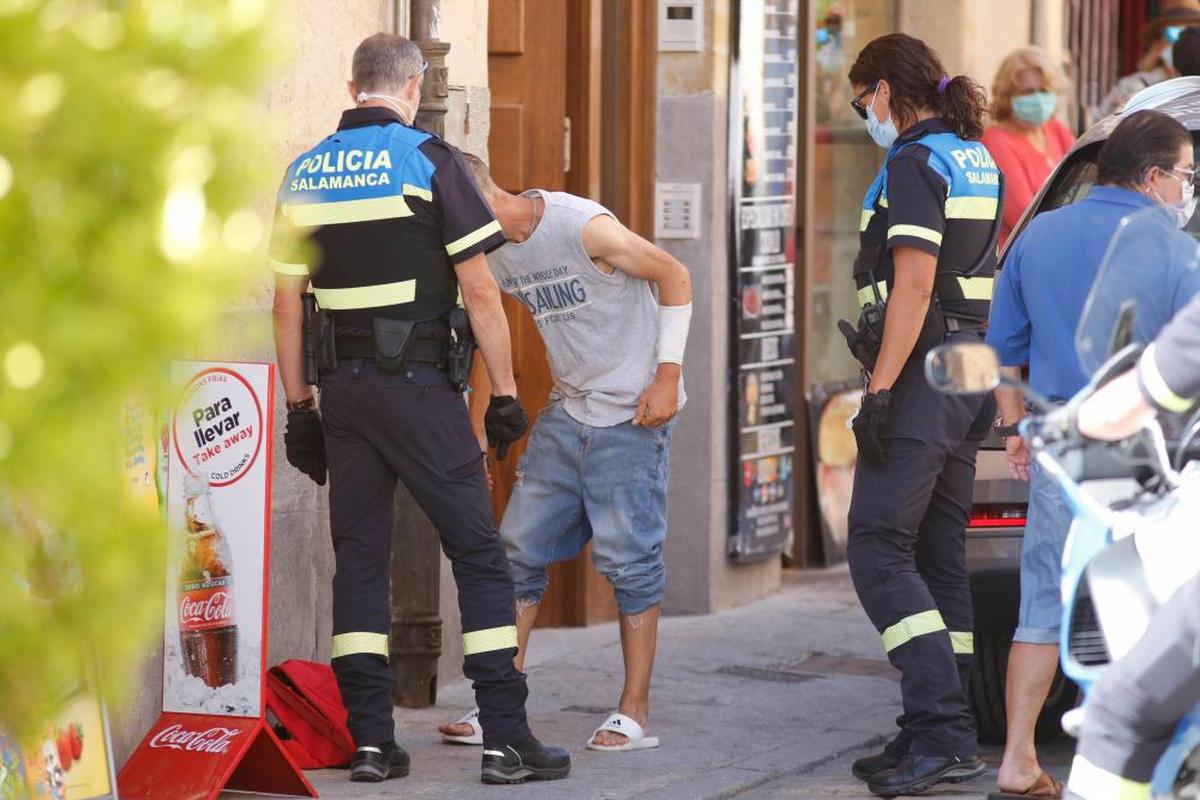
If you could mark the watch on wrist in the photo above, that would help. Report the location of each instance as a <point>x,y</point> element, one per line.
<point>307,404</point>
<point>1007,431</point>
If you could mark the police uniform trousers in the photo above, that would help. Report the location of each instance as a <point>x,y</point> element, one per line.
<point>1134,708</point>
<point>412,425</point>
<point>907,554</point>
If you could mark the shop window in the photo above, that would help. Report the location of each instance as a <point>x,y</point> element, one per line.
<point>845,162</point>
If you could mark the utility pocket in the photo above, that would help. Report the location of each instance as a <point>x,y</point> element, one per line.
<point>393,337</point>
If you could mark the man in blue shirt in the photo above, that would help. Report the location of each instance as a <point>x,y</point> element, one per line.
<point>1040,297</point>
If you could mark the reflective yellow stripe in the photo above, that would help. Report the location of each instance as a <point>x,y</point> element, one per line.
<point>866,295</point>
<point>348,644</point>
<point>977,288</point>
<point>910,628</point>
<point>486,641</point>
<point>473,238</point>
<point>883,201</point>
<point>972,208</point>
<point>1157,387</point>
<point>307,215</point>
<point>284,268</point>
<point>866,219</point>
<point>962,642</point>
<point>381,294</point>
<point>916,231</point>
<point>1089,781</point>
<point>417,191</point>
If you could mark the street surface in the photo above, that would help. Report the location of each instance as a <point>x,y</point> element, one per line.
<point>771,700</point>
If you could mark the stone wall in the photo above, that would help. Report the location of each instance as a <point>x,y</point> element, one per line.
<point>692,143</point>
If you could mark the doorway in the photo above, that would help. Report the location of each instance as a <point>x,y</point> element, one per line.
<point>557,71</point>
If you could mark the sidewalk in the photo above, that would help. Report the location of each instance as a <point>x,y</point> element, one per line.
<point>768,700</point>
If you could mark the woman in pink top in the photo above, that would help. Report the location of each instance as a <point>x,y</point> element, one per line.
<point>1025,138</point>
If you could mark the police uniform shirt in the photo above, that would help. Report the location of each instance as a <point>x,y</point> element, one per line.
<point>939,194</point>
<point>377,214</point>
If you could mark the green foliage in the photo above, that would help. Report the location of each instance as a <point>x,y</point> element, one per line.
<point>131,171</point>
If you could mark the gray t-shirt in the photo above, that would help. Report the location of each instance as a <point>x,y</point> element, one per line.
<point>600,329</point>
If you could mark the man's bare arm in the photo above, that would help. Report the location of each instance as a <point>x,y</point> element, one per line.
<point>288,319</point>
<point>481,297</point>
<point>615,247</point>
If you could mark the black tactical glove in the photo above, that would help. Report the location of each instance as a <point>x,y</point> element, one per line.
<point>304,440</point>
<point>505,423</point>
<point>869,426</point>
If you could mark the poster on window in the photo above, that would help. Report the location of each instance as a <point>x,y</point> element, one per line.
<point>763,118</point>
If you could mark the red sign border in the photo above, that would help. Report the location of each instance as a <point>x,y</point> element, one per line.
<point>257,407</point>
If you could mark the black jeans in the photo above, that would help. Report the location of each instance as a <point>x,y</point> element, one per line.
<point>411,425</point>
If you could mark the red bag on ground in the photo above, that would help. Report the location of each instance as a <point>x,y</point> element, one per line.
<point>304,697</point>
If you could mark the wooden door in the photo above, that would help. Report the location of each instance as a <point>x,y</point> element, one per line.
<point>533,68</point>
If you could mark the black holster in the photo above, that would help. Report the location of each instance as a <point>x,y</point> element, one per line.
<point>865,339</point>
<point>320,349</point>
<point>393,339</point>
<point>462,349</point>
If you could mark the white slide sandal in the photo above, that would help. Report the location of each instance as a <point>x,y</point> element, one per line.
<point>476,737</point>
<point>626,726</point>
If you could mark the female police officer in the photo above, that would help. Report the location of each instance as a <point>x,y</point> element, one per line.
<point>928,253</point>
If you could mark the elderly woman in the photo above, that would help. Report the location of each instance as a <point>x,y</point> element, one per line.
<point>1026,139</point>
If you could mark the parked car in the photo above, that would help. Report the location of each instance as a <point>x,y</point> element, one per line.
<point>998,513</point>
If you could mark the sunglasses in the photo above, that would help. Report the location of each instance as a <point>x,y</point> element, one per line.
<point>856,103</point>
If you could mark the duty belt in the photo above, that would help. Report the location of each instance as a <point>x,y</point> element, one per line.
<point>425,351</point>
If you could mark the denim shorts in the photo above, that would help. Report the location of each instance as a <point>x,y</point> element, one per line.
<point>1041,560</point>
<point>577,483</point>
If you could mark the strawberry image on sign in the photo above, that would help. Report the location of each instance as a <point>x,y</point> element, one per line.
<point>75,737</point>
<point>64,751</point>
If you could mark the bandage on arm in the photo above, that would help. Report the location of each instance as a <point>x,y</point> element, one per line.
<point>673,325</point>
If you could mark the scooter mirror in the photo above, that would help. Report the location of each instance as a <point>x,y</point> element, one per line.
<point>963,368</point>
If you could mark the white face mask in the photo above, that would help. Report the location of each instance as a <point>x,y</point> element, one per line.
<point>1185,207</point>
<point>406,110</point>
<point>884,133</point>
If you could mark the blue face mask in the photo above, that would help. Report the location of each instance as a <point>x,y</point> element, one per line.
<point>1035,108</point>
<point>884,133</point>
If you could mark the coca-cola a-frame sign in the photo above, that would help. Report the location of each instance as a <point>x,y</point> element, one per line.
<point>213,734</point>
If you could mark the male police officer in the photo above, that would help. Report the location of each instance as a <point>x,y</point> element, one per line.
<point>398,227</point>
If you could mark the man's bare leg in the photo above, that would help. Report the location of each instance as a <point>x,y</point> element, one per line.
<point>1031,670</point>
<point>639,641</point>
<point>526,616</point>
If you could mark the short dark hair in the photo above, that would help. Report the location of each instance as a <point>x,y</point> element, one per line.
<point>479,170</point>
<point>1142,140</point>
<point>1185,54</point>
<point>385,62</point>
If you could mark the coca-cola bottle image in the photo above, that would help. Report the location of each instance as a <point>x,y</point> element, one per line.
<point>208,634</point>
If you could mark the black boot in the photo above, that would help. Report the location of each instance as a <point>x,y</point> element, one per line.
<point>525,760</point>
<point>915,774</point>
<point>867,767</point>
<point>375,764</point>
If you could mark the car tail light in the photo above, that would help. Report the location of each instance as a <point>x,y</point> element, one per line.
<point>997,515</point>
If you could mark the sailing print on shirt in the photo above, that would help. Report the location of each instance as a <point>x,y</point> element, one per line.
<point>551,295</point>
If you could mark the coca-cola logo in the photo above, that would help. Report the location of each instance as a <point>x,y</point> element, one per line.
<point>214,740</point>
<point>200,610</point>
